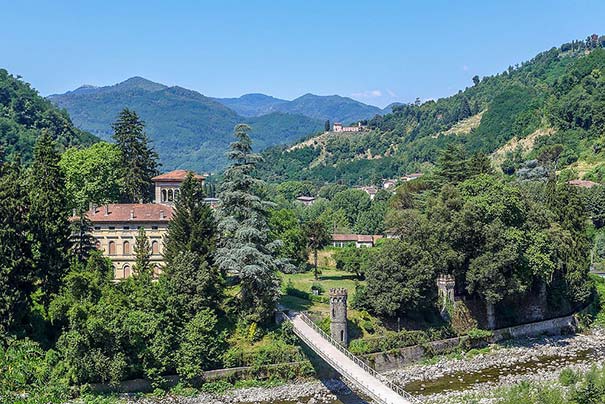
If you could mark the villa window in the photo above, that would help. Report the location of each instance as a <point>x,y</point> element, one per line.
<point>126,248</point>
<point>170,195</point>
<point>155,247</point>
<point>163,195</point>
<point>112,248</point>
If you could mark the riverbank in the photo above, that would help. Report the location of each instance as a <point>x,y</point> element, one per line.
<point>330,391</point>
<point>456,378</point>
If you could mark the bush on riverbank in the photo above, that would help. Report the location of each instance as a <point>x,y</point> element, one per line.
<point>573,388</point>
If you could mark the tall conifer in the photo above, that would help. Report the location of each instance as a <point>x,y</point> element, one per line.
<point>139,160</point>
<point>244,248</point>
<point>16,266</point>
<point>48,216</point>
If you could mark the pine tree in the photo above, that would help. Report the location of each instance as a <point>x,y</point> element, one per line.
<point>142,253</point>
<point>48,216</point>
<point>16,262</point>
<point>318,237</point>
<point>139,160</point>
<point>245,249</point>
<point>192,227</point>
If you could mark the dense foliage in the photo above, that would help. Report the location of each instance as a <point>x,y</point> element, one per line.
<point>23,114</point>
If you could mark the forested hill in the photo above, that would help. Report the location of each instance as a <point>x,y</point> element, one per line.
<point>555,99</point>
<point>24,115</point>
<point>188,129</point>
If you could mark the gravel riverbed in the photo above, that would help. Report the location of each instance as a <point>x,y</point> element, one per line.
<point>537,360</point>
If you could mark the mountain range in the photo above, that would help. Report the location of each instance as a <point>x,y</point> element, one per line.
<point>331,107</point>
<point>190,130</point>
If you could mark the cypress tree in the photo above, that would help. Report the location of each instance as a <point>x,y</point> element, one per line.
<point>16,263</point>
<point>139,160</point>
<point>244,248</point>
<point>142,252</point>
<point>48,216</point>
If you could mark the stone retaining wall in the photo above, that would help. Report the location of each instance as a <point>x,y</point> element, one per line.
<point>385,361</point>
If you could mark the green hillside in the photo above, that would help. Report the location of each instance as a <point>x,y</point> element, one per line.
<point>24,114</point>
<point>557,97</point>
<point>188,129</point>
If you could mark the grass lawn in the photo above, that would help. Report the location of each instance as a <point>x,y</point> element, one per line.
<point>329,278</point>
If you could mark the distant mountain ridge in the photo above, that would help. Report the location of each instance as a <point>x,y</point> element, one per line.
<point>188,129</point>
<point>191,130</point>
<point>330,107</point>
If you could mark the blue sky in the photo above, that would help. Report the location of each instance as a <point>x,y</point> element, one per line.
<point>374,51</point>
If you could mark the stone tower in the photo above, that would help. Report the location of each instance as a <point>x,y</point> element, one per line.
<point>446,285</point>
<point>338,315</point>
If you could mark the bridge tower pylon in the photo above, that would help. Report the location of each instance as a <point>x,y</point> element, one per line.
<point>338,315</point>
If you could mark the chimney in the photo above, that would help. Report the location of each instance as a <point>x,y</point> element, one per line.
<point>131,214</point>
<point>106,210</point>
<point>161,214</point>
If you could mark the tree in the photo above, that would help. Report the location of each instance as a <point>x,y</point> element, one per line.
<point>327,126</point>
<point>244,248</point>
<point>352,259</point>
<point>81,239</point>
<point>286,227</point>
<point>476,80</point>
<point>92,174</point>
<point>318,236</point>
<point>139,160</point>
<point>192,228</point>
<point>48,216</point>
<point>202,345</point>
<point>401,279</point>
<point>452,165</point>
<point>16,261</point>
<point>142,252</point>
<point>192,284</point>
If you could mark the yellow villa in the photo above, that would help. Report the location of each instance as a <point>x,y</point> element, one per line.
<point>115,226</point>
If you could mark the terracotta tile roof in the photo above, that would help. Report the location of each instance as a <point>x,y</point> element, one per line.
<point>176,176</point>
<point>582,183</point>
<point>130,212</point>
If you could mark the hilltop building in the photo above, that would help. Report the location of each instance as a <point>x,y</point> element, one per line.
<point>115,226</point>
<point>338,127</point>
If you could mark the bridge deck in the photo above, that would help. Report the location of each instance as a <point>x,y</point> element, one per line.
<point>348,368</point>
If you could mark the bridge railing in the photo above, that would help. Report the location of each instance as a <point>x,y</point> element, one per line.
<point>355,359</point>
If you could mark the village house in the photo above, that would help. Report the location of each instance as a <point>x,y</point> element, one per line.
<point>115,226</point>
<point>358,240</point>
<point>583,183</point>
<point>410,177</point>
<point>338,127</point>
<point>386,184</point>
<point>306,200</point>
<point>372,191</point>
